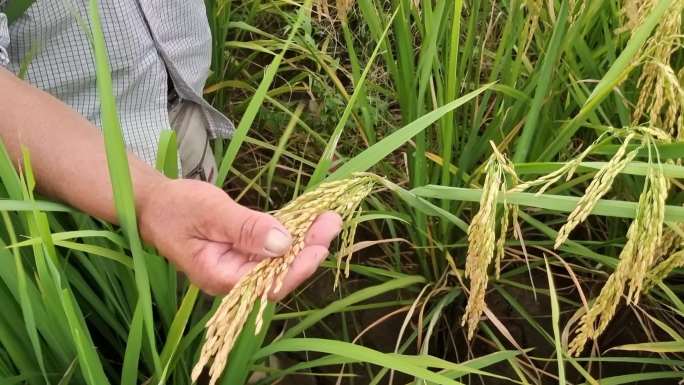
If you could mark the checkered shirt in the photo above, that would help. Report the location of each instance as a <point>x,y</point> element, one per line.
<point>151,44</point>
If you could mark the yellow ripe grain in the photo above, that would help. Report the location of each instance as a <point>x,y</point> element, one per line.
<point>636,258</point>
<point>652,237</point>
<point>344,197</point>
<point>661,97</point>
<point>481,245</point>
<point>663,269</point>
<point>599,186</point>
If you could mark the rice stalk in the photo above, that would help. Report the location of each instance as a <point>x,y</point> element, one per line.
<point>344,197</point>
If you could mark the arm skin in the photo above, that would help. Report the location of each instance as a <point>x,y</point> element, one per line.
<point>194,224</point>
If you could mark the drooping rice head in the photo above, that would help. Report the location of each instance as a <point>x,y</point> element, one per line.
<point>482,243</point>
<point>344,197</point>
<point>641,251</point>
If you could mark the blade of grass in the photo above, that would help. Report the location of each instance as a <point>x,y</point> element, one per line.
<point>548,66</point>
<point>180,322</point>
<point>636,378</point>
<point>654,347</point>
<point>373,154</point>
<point>120,175</point>
<point>346,349</point>
<point>167,154</point>
<point>555,324</point>
<point>130,370</point>
<point>559,203</point>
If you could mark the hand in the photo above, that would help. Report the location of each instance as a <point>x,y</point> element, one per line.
<point>215,241</point>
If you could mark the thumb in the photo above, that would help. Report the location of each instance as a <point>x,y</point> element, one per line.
<point>254,232</point>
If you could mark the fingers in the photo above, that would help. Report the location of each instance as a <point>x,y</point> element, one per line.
<point>218,274</point>
<point>253,232</point>
<point>324,229</point>
<point>217,268</point>
<point>302,268</point>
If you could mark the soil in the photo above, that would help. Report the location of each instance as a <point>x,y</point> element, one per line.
<point>383,337</point>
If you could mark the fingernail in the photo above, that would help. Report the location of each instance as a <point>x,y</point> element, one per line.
<point>277,242</point>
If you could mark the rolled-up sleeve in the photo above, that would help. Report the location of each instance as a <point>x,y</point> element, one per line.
<point>4,39</point>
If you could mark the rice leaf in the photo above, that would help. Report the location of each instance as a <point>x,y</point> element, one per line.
<point>119,172</point>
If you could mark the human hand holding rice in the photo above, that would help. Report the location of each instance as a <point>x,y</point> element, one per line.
<point>272,278</point>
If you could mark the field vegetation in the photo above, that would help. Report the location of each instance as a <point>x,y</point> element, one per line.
<point>525,224</point>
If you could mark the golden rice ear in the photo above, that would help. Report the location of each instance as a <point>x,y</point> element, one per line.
<point>669,256</point>
<point>224,327</point>
<point>663,269</point>
<point>343,8</point>
<point>661,98</point>
<point>654,220</point>
<point>568,169</point>
<point>636,258</point>
<point>599,186</point>
<point>347,245</point>
<point>534,8</point>
<point>481,244</point>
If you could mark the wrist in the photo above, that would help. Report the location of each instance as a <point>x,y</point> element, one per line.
<point>149,191</point>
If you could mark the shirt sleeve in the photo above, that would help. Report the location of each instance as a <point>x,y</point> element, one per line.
<point>4,39</point>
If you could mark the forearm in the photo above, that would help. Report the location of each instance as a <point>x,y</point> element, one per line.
<point>67,152</point>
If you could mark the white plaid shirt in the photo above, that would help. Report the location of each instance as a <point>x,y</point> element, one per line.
<point>148,41</point>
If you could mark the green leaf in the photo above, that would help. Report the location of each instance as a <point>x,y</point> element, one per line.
<point>555,319</point>
<point>167,154</point>
<point>560,203</point>
<point>375,153</point>
<point>654,347</point>
<point>129,370</point>
<point>349,350</point>
<point>180,322</point>
<point>117,160</point>
<point>349,300</point>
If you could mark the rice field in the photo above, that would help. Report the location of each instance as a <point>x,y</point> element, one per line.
<point>508,173</point>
